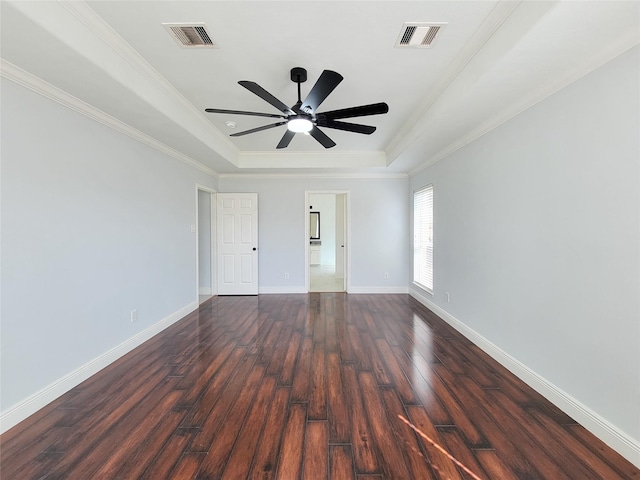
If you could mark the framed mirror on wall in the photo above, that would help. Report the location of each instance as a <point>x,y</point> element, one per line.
<point>314,225</point>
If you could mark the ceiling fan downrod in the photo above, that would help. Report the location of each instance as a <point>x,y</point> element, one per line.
<point>299,76</point>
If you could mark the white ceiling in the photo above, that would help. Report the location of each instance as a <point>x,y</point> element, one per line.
<point>115,61</point>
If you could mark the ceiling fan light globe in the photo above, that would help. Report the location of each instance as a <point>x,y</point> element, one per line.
<point>300,125</point>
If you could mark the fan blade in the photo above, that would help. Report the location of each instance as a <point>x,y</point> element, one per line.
<point>286,139</point>
<point>349,127</point>
<point>239,112</point>
<point>327,82</point>
<point>322,138</point>
<point>258,129</point>
<point>253,87</point>
<point>361,111</point>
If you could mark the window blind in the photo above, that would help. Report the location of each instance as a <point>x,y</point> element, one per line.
<point>423,238</point>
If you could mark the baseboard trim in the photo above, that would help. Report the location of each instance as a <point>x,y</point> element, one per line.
<point>281,290</point>
<point>35,402</point>
<point>205,291</point>
<point>622,443</point>
<point>352,290</point>
<point>378,290</point>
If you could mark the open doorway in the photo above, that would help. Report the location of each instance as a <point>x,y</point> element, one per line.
<point>327,241</point>
<point>205,243</point>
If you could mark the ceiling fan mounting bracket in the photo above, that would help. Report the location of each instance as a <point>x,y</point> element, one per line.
<point>298,75</point>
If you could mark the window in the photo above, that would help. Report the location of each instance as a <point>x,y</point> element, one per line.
<point>423,238</point>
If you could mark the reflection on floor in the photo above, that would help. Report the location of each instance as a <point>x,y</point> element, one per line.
<point>322,278</point>
<point>203,298</point>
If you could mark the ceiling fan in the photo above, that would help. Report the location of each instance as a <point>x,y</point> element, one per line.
<point>303,116</point>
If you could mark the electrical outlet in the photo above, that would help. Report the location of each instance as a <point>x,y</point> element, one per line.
<point>134,315</point>
<point>386,276</point>
<point>286,276</point>
<point>448,297</point>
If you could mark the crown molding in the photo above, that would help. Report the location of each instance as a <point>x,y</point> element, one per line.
<point>27,80</point>
<point>334,175</point>
<point>77,25</point>
<point>339,160</point>
<point>454,78</point>
<point>535,96</point>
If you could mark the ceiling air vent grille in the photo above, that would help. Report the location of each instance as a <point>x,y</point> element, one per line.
<point>419,35</point>
<point>193,35</point>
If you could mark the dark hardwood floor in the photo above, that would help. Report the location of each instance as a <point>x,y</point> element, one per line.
<point>306,386</point>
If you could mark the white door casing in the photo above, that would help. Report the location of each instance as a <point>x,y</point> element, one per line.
<point>205,241</point>
<point>237,235</point>
<point>340,234</point>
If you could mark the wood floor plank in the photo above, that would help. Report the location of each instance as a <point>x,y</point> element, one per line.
<point>318,388</point>
<point>301,376</point>
<point>361,356</point>
<point>626,469</point>
<point>337,408</point>
<point>442,465</point>
<point>455,414</point>
<point>19,451</point>
<point>188,465</point>
<point>306,386</point>
<point>166,457</point>
<point>331,336</point>
<point>400,381</point>
<point>289,363</point>
<point>405,437</point>
<point>316,445</point>
<point>378,366</point>
<point>203,372</point>
<point>454,443</point>
<point>365,453</point>
<point>243,381</point>
<point>393,463</point>
<point>290,459</point>
<point>208,398</point>
<point>266,457</point>
<point>270,342</point>
<point>342,337</point>
<point>215,462</point>
<point>136,452</point>
<point>424,391</point>
<point>493,466</point>
<point>509,437</point>
<point>80,446</point>
<point>570,465</point>
<point>279,352</point>
<point>238,464</point>
<point>340,463</point>
<point>120,438</point>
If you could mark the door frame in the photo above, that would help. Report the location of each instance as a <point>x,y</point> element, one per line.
<point>212,254</point>
<point>347,234</point>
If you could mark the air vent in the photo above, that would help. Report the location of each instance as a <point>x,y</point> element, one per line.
<point>192,35</point>
<point>419,35</point>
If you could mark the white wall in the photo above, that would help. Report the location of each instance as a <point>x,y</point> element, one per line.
<point>326,205</point>
<point>94,225</point>
<point>537,240</point>
<point>379,222</point>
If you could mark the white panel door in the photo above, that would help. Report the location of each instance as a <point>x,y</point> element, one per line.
<point>237,221</point>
